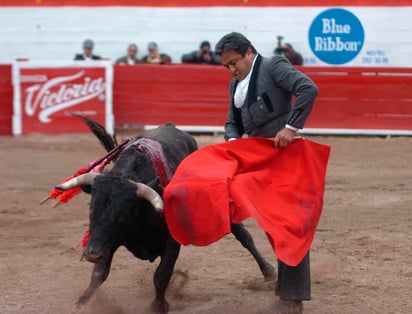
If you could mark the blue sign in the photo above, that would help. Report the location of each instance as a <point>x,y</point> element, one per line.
<point>336,36</point>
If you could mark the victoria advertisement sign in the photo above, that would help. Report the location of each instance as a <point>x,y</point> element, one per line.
<point>46,95</point>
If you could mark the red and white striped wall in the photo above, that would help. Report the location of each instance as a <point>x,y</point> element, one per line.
<point>55,29</point>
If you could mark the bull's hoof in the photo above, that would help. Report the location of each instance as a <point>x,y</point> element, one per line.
<point>159,306</point>
<point>268,272</point>
<point>82,301</point>
<point>79,305</point>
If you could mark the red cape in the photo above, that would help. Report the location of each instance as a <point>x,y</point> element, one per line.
<point>229,182</point>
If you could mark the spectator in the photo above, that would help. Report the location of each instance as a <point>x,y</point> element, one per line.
<point>203,55</point>
<point>87,54</point>
<point>154,56</point>
<point>293,56</point>
<point>130,58</point>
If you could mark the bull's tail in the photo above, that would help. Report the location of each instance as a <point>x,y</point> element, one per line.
<point>107,141</point>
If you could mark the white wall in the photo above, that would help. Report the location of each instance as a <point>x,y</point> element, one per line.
<point>50,33</point>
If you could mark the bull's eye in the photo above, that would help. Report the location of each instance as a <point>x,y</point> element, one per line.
<point>121,219</point>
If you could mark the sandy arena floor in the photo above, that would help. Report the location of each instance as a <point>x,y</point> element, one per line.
<point>361,257</point>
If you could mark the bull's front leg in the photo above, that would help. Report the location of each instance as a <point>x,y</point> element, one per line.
<point>99,275</point>
<point>163,274</point>
<point>244,237</point>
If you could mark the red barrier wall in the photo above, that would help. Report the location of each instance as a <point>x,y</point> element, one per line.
<point>6,99</point>
<point>184,94</point>
<point>349,98</point>
<point>362,98</point>
<point>358,100</point>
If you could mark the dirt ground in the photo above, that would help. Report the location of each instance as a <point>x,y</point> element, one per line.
<point>361,258</point>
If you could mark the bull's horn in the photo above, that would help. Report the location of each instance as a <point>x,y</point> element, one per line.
<point>83,179</point>
<point>146,192</point>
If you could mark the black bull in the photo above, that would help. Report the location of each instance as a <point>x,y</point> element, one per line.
<point>126,206</point>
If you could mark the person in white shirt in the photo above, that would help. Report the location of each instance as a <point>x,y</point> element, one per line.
<point>131,57</point>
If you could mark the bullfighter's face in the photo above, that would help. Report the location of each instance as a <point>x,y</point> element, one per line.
<point>238,65</point>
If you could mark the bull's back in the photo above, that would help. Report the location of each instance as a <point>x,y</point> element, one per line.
<point>176,144</point>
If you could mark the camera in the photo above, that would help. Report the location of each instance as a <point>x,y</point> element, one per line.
<point>279,49</point>
<point>205,51</point>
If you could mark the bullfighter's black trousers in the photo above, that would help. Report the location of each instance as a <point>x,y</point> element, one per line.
<point>294,282</point>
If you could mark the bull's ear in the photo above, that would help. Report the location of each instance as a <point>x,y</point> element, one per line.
<point>86,188</point>
<point>155,183</point>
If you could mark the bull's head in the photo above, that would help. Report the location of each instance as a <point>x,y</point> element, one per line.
<point>116,203</point>
<point>142,190</point>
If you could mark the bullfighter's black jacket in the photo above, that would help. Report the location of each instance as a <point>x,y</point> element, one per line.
<point>268,107</point>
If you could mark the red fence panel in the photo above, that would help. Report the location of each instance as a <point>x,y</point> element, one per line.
<point>360,98</point>
<point>351,100</point>
<point>6,99</point>
<point>184,94</point>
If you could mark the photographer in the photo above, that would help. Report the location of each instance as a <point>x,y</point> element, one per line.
<point>203,55</point>
<point>287,50</point>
